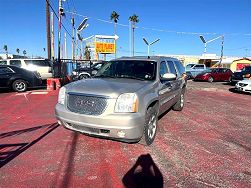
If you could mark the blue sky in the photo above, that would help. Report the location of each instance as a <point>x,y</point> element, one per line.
<point>23,24</point>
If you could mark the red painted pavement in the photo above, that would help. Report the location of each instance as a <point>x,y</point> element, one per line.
<point>208,144</point>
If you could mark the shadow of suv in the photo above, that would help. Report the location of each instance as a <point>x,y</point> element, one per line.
<point>124,99</point>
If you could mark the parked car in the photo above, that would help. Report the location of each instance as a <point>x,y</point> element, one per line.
<point>124,99</point>
<point>42,66</point>
<point>243,86</point>
<point>87,72</point>
<point>192,70</point>
<point>238,76</point>
<point>18,79</point>
<point>214,74</point>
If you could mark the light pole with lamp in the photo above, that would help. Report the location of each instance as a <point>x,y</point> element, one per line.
<point>206,42</point>
<point>81,27</point>
<point>148,45</point>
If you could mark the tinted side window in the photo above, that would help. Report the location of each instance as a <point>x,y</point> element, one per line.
<point>180,67</point>
<point>15,63</point>
<point>5,70</point>
<point>198,67</point>
<point>171,67</point>
<point>3,62</point>
<point>163,68</point>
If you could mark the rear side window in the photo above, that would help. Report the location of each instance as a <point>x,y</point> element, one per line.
<point>40,63</point>
<point>180,67</point>
<point>171,67</point>
<point>15,63</point>
<point>5,70</point>
<point>3,62</point>
<point>198,67</point>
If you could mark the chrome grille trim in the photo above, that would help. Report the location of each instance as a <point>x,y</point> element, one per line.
<point>86,104</point>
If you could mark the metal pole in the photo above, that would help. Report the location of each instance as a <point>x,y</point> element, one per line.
<point>65,46</point>
<point>73,46</point>
<point>52,36</point>
<point>48,29</point>
<point>222,46</point>
<point>59,35</point>
<point>148,49</point>
<point>205,51</point>
<point>115,31</point>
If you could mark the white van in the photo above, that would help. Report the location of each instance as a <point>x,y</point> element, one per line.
<point>42,66</point>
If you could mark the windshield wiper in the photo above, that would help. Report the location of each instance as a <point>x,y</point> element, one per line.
<point>104,76</point>
<point>132,77</point>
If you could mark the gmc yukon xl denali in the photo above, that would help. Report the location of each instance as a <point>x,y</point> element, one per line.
<point>124,99</point>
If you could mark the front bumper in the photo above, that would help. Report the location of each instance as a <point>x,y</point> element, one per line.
<point>120,126</point>
<point>243,88</point>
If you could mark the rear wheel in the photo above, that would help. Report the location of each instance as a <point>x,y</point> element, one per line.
<point>150,127</point>
<point>19,85</point>
<point>82,76</point>
<point>210,79</point>
<point>180,103</point>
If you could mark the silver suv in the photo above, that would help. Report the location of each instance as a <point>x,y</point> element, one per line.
<point>124,99</point>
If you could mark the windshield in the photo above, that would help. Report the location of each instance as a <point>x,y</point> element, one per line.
<point>189,66</point>
<point>143,70</point>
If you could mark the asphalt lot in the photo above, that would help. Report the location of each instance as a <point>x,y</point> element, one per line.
<point>208,144</point>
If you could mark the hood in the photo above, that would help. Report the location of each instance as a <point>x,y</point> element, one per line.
<point>106,86</point>
<point>245,81</point>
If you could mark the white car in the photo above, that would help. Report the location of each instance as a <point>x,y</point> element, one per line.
<point>244,86</point>
<point>42,66</point>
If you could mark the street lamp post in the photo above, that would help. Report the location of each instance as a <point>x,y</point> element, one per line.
<point>81,27</point>
<point>206,42</point>
<point>148,45</point>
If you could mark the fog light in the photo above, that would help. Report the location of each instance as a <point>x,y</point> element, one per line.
<point>59,122</point>
<point>121,134</point>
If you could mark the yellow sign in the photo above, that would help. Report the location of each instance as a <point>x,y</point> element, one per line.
<point>105,48</point>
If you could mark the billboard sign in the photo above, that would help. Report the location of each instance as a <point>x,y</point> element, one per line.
<point>105,47</point>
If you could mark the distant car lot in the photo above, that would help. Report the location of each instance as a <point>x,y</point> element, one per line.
<point>205,145</point>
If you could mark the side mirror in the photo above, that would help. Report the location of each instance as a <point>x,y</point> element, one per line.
<point>168,77</point>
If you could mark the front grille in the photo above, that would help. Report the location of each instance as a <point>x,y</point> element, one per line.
<point>242,85</point>
<point>84,104</point>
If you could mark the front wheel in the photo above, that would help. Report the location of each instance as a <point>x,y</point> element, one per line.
<point>19,85</point>
<point>210,79</point>
<point>150,128</point>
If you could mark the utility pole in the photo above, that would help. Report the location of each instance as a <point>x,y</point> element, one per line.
<point>48,29</point>
<point>222,46</point>
<point>73,40</point>
<point>65,46</point>
<point>52,36</point>
<point>60,14</point>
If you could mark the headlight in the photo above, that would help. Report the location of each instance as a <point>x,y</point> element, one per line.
<point>127,102</point>
<point>61,95</point>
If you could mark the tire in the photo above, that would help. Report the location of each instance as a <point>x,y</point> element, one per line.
<point>181,102</point>
<point>150,127</point>
<point>83,76</point>
<point>210,79</point>
<point>19,85</point>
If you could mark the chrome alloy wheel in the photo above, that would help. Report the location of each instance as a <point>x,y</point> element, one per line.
<point>152,126</point>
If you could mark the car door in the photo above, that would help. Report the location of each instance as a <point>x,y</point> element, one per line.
<point>165,89</point>
<point>174,83</point>
<point>41,66</point>
<point>5,75</point>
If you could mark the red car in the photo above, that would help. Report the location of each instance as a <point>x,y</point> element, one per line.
<point>214,74</point>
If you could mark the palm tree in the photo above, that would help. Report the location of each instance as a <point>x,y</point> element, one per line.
<point>5,47</point>
<point>133,19</point>
<point>115,17</point>
<point>17,50</point>
<point>24,52</point>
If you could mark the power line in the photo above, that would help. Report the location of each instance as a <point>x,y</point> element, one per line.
<point>54,12</point>
<point>164,30</point>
